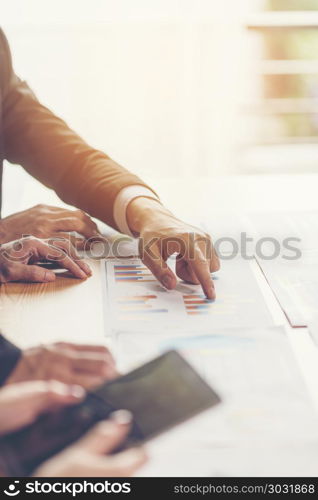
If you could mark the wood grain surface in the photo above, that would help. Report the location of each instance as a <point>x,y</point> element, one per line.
<point>67,309</point>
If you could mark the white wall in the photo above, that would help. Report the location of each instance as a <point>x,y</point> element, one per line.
<point>157,84</point>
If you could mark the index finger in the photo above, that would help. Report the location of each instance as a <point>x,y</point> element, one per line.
<point>201,268</point>
<point>58,255</point>
<point>90,364</point>
<point>85,347</point>
<point>81,224</point>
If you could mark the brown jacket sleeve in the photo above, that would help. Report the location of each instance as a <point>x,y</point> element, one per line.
<point>50,151</point>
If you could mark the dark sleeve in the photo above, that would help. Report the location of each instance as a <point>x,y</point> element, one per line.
<point>51,152</point>
<point>9,356</point>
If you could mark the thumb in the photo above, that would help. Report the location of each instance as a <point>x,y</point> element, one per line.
<point>108,434</point>
<point>153,259</point>
<point>24,272</point>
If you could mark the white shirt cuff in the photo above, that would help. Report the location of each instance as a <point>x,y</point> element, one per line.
<point>124,197</point>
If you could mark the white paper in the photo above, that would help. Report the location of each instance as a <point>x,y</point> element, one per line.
<point>265,411</point>
<point>114,245</point>
<point>241,364</point>
<point>283,225</point>
<point>135,300</point>
<point>295,285</point>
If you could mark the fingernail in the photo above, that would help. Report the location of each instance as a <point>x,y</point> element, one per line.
<point>167,281</point>
<point>211,293</point>
<point>122,417</point>
<point>77,391</point>
<point>87,268</point>
<point>82,274</point>
<point>49,276</point>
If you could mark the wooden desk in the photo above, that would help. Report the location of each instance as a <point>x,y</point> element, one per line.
<point>69,309</point>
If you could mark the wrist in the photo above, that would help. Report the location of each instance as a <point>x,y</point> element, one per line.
<point>143,211</point>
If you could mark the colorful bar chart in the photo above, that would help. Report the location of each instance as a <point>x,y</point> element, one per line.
<point>197,304</point>
<point>135,300</point>
<point>139,305</point>
<point>132,273</point>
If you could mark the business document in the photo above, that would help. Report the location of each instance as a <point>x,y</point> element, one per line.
<point>135,300</point>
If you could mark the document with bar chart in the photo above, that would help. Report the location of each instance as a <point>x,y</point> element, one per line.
<point>136,301</point>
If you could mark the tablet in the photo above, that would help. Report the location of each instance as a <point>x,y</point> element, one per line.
<point>160,394</point>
